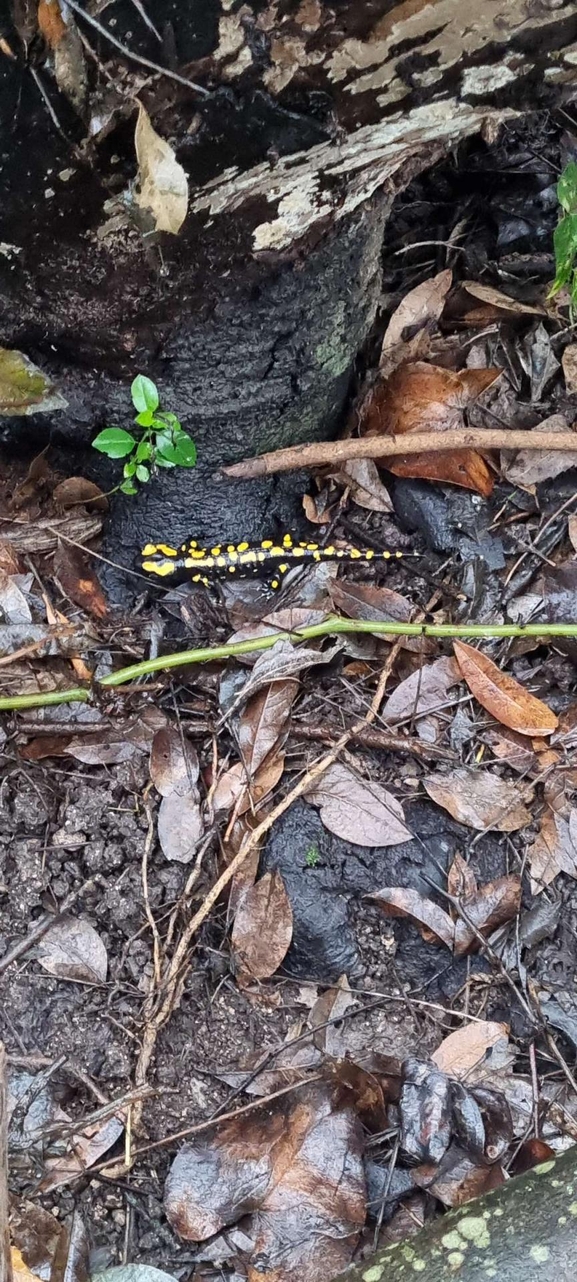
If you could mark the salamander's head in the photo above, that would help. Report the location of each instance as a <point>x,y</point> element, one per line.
<point>159,558</point>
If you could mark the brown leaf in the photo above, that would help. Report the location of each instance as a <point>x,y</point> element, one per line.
<point>572,531</point>
<point>271,1164</point>
<point>461,880</point>
<point>421,397</point>
<point>163,182</point>
<point>480,799</point>
<point>510,747</point>
<point>264,721</point>
<point>331,1005</point>
<point>501,695</point>
<point>423,692</point>
<point>401,901</point>
<point>45,745</point>
<point>180,826</point>
<point>554,850</point>
<point>495,299</point>
<point>291,619</point>
<point>107,748</point>
<point>569,362</point>
<point>262,929</point>
<point>421,306</point>
<point>459,1177</point>
<point>282,662</point>
<point>492,906</point>
<point>77,490</point>
<point>374,602</point>
<point>173,763</point>
<point>467,1046</point>
<point>79,581</point>
<point>361,476</point>
<point>530,467</point>
<point>358,810</point>
<point>72,949</point>
<point>51,23</point>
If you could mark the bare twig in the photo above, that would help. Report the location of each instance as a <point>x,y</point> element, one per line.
<point>379,739</point>
<point>130,53</point>
<point>377,447</point>
<point>5,1256</point>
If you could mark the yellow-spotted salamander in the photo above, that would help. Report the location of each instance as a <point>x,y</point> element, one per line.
<point>268,559</point>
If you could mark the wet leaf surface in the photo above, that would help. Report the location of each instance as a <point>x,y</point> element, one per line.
<point>262,929</point>
<point>84,1150</point>
<point>480,799</point>
<point>358,810</point>
<point>263,723</point>
<point>554,850</point>
<point>425,1107</point>
<point>296,1170</point>
<point>24,389</point>
<point>180,826</point>
<point>163,182</point>
<point>467,1046</point>
<point>174,764</point>
<point>502,696</point>
<point>421,306</point>
<point>72,949</point>
<point>530,467</point>
<point>423,692</point>
<point>79,581</point>
<point>491,906</point>
<point>433,921</point>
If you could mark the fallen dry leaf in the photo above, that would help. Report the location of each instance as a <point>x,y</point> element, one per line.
<point>108,748</point>
<point>163,182</point>
<point>72,949</point>
<point>85,1148</point>
<point>479,798</point>
<point>467,1046</point>
<point>494,298</point>
<point>13,602</point>
<point>421,306</point>
<point>282,662</point>
<point>529,467</point>
<point>180,826</point>
<point>269,1165</point>
<point>461,880</point>
<point>262,929</point>
<point>78,581</point>
<point>459,1177</point>
<point>423,692</point>
<point>554,850</point>
<point>264,722</point>
<point>361,476</point>
<point>501,695</point>
<point>419,397</point>
<point>24,389</point>
<point>77,491</point>
<point>401,901</point>
<point>569,362</point>
<point>491,906</point>
<point>358,810</point>
<point>291,619</point>
<point>173,763</point>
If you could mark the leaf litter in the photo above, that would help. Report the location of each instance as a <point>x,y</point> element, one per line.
<point>484,880</point>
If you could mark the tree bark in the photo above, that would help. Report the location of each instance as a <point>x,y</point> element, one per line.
<point>525,1231</point>
<point>308,120</point>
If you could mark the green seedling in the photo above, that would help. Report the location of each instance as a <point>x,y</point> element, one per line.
<point>162,441</point>
<point>565,238</point>
<point>312,856</point>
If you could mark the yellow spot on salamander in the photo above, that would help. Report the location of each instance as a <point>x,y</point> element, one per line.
<point>248,558</point>
<point>287,541</point>
<point>275,583</point>
<point>386,556</point>
<point>283,568</point>
<point>167,550</point>
<point>149,549</point>
<point>399,555</point>
<point>276,551</point>
<point>316,556</point>
<point>192,543</point>
<point>198,554</point>
<point>328,551</point>
<point>221,560</point>
<point>158,567</point>
<point>232,556</point>
<point>266,543</point>
<point>311,547</point>
<point>369,555</point>
<point>261,556</point>
<point>196,578</point>
<point>242,547</point>
<point>215,551</point>
<point>231,547</point>
<point>354,554</point>
<point>300,552</point>
<point>232,569</point>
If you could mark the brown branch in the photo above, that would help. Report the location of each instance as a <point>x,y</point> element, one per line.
<point>378,447</point>
<point>379,739</point>
<point>5,1255</point>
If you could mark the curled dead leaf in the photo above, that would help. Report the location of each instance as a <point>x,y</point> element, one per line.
<point>163,182</point>
<point>262,929</point>
<point>480,799</point>
<point>402,901</point>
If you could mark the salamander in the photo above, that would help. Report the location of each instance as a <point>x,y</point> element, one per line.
<point>269,559</point>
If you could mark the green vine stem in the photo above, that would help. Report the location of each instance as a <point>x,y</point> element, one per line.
<point>329,627</point>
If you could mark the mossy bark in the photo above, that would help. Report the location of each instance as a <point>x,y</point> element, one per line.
<point>525,1231</point>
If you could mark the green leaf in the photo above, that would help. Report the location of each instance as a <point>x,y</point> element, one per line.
<point>167,419</point>
<point>181,452</point>
<point>163,462</point>
<point>129,468</point>
<point>128,487</point>
<point>565,241</point>
<point>567,188</point>
<point>142,473</point>
<point>144,451</point>
<point>114,442</point>
<point>144,394</point>
<point>146,419</point>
